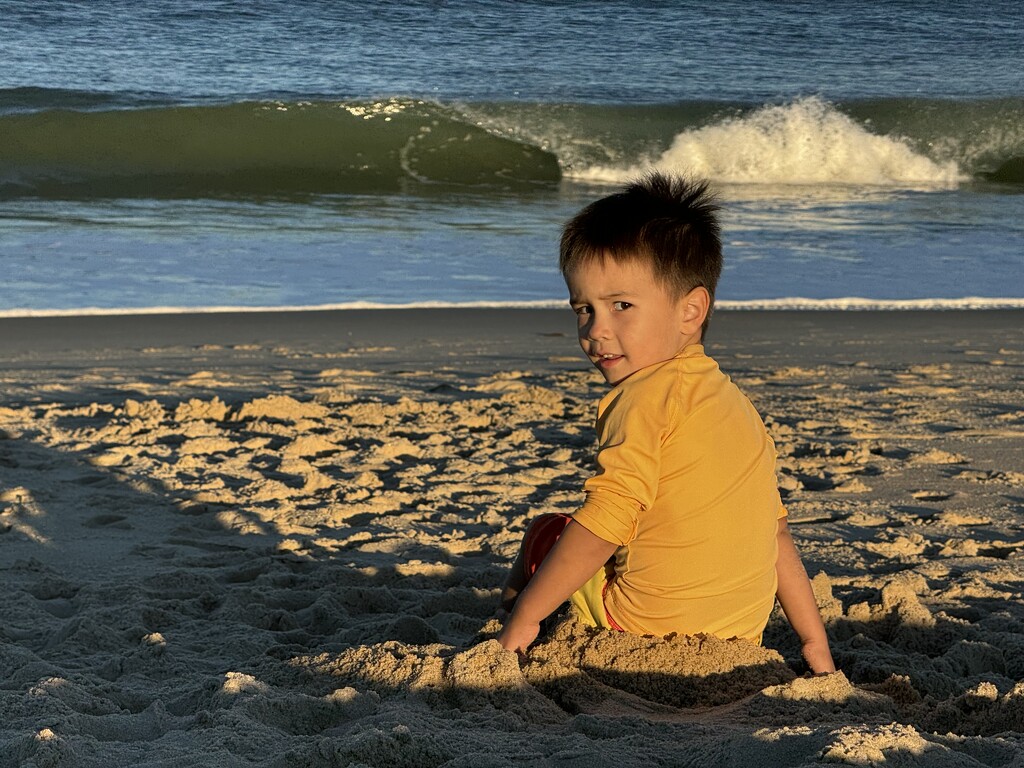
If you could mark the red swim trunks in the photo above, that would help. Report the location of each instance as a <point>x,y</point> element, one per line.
<point>539,538</point>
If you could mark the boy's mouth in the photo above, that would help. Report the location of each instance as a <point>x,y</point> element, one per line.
<point>607,360</point>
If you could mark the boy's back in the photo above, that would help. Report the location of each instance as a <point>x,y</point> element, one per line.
<point>686,486</point>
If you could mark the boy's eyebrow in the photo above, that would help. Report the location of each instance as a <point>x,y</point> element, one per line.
<point>604,297</point>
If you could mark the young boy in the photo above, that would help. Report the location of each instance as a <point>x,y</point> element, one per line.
<point>682,529</point>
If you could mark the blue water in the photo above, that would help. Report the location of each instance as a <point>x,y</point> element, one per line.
<point>270,154</point>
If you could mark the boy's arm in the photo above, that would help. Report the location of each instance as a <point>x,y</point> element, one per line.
<point>577,555</point>
<point>797,600</point>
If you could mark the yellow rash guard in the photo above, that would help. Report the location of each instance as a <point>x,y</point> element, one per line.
<point>686,487</point>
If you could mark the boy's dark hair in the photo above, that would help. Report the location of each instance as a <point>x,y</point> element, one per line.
<point>667,221</point>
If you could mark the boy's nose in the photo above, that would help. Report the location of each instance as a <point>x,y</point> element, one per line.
<point>597,329</point>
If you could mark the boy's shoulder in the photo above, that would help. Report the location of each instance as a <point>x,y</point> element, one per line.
<point>662,387</point>
<point>686,368</point>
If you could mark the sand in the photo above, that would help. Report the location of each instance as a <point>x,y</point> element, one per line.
<point>278,540</point>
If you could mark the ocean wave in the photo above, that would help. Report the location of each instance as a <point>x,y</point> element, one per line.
<point>808,142</point>
<point>906,143</point>
<point>256,148</point>
<point>848,304</point>
<point>64,144</point>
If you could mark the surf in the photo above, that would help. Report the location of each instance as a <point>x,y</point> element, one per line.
<point>808,142</point>
<point>79,145</point>
<point>254,148</point>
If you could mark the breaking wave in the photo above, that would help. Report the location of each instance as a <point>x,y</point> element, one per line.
<point>79,144</point>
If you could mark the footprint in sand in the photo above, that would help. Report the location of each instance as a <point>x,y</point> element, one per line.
<point>59,607</point>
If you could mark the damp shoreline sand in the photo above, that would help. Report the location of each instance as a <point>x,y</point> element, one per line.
<point>277,540</point>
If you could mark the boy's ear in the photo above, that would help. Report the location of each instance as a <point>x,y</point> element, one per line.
<point>695,307</point>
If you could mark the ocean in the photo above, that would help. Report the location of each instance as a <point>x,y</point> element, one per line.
<point>267,154</point>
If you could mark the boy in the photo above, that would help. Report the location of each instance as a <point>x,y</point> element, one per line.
<point>682,529</point>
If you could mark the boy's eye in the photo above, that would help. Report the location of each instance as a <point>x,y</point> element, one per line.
<point>618,306</point>
<point>582,309</point>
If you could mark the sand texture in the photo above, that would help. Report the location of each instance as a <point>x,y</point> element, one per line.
<point>287,551</point>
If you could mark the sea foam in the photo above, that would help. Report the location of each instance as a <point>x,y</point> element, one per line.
<point>808,141</point>
<point>849,303</point>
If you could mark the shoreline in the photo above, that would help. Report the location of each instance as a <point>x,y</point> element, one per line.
<point>234,324</point>
<point>848,303</point>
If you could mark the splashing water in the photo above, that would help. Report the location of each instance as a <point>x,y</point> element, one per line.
<point>805,142</point>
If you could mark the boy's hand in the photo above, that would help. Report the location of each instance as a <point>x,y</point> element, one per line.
<point>517,635</point>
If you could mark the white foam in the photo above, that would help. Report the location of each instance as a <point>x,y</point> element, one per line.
<point>805,142</point>
<point>352,305</point>
<point>854,303</point>
<point>851,303</point>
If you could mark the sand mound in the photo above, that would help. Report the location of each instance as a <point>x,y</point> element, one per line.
<point>579,667</point>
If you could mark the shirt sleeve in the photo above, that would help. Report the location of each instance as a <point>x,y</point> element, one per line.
<point>631,431</point>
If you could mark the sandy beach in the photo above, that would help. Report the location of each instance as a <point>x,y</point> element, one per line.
<point>278,539</point>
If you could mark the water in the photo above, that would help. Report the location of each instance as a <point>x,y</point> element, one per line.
<point>272,154</point>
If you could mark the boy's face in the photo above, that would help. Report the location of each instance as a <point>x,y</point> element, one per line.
<point>627,319</point>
